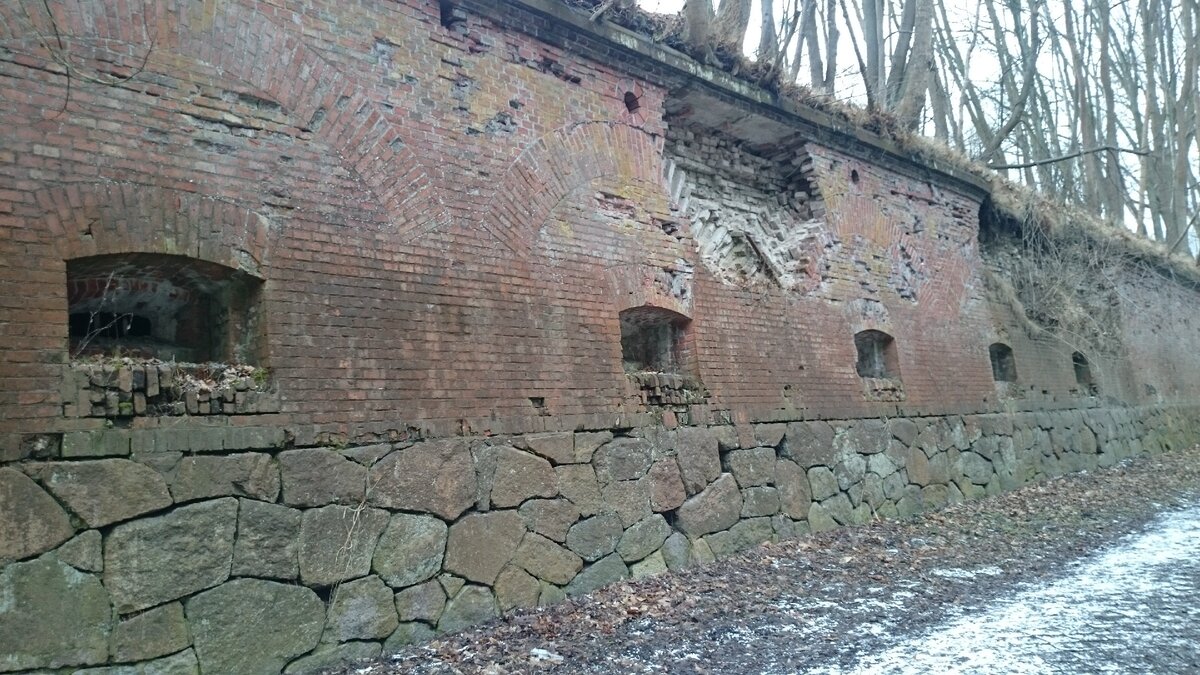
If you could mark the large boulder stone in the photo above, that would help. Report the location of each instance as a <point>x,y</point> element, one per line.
<point>595,537</point>
<point>601,573</point>
<point>407,633</point>
<point>699,458</point>
<point>977,469</point>
<point>666,485</point>
<point>717,508</point>
<point>643,538</point>
<point>795,495</point>
<point>547,560</point>
<point>481,544</point>
<point>182,663</point>
<point>904,430</point>
<point>436,477</point>
<point>472,605</point>
<point>105,491</point>
<point>249,474</point>
<point>156,560</point>
<point>318,477</point>
<point>819,519</point>
<point>577,482</point>
<point>423,602</point>
<point>268,541</point>
<point>410,550</point>
<point>549,517</point>
<point>31,522</point>
<point>51,615</point>
<point>363,609</point>
<point>650,566</point>
<point>753,467</point>
<point>253,626</point>
<point>622,459</point>
<point>520,476</point>
<point>677,552</point>
<point>151,634</point>
<point>337,543</point>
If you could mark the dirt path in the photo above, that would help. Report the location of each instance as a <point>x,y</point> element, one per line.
<point>828,602</point>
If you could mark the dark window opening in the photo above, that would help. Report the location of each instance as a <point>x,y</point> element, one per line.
<point>877,356</point>
<point>1083,374</point>
<point>166,307</point>
<point>652,339</point>
<point>854,176</point>
<point>1004,366</point>
<point>631,102</point>
<point>451,16</point>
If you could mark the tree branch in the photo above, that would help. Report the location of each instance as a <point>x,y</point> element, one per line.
<point>1063,158</point>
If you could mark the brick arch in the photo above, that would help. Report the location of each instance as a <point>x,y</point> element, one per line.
<point>557,164</point>
<point>255,51</point>
<point>102,218</point>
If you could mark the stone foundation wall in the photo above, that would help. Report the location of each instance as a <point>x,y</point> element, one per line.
<point>256,557</point>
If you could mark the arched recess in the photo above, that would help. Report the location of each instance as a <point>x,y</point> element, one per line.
<point>250,49</point>
<point>560,162</point>
<point>121,218</point>
<point>1004,364</point>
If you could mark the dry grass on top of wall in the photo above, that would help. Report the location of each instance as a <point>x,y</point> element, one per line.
<point>1022,204</point>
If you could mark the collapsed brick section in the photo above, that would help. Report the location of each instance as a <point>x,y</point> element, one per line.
<point>755,219</point>
<point>127,387</point>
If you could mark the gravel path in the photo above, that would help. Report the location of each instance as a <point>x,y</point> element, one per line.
<point>882,597</point>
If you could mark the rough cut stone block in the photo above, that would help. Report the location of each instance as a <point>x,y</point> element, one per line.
<point>105,491</point>
<point>151,634</point>
<point>268,541</point>
<point>520,476</point>
<point>31,522</point>
<point>337,543</point>
<point>716,508</point>
<point>407,633</point>
<point>155,560</point>
<point>745,534</point>
<point>101,443</point>
<point>822,482</point>
<point>606,571</point>
<point>666,485</point>
<point>809,444</point>
<point>595,537</point>
<point>83,552</point>
<point>318,477</point>
<point>363,609</point>
<point>587,443</point>
<point>547,560</point>
<point>558,447</point>
<point>759,501</point>
<point>677,552</point>
<point>423,602</point>
<point>578,483</point>
<point>752,467</point>
<point>549,517</point>
<point>643,538</point>
<point>629,499</point>
<point>253,626</point>
<point>51,615</point>
<point>795,495</point>
<point>410,550</point>
<point>472,605</point>
<point>183,663</point>
<point>250,474</point>
<point>481,544</point>
<point>699,459</point>
<point>516,588</point>
<point>650,566</point>
<point>622,459</point>
<point>328,658</point>
<point>436,477</point>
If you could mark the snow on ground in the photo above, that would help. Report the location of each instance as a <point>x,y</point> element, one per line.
<point>1133,607</point>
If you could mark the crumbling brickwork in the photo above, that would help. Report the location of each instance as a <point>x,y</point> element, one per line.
<point>573,306</point>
